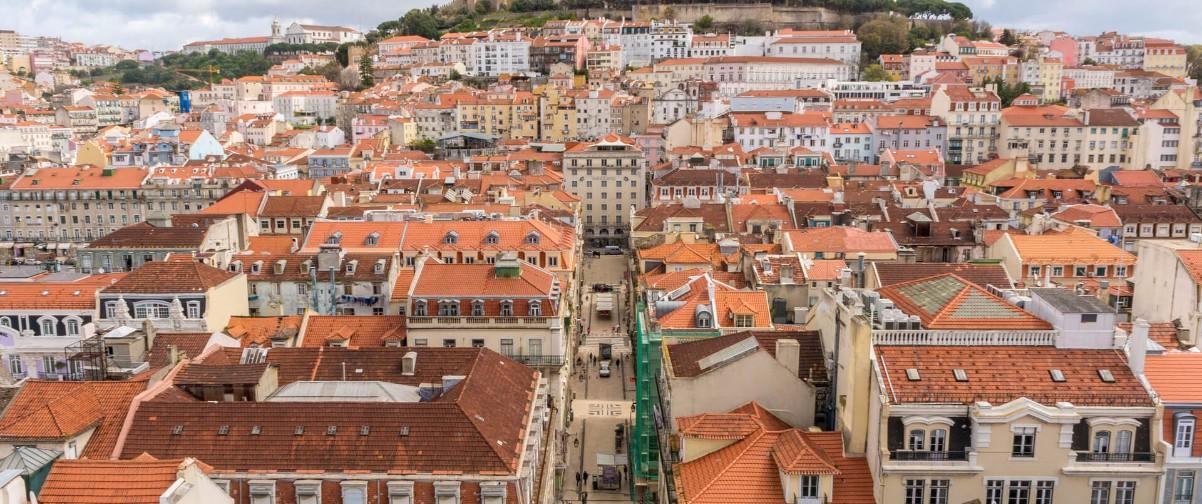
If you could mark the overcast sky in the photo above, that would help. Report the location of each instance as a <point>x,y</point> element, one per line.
<point>168,24</point>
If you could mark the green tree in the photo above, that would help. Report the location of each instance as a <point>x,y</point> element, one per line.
<point>1008,38</point>
<point>1007,93</point>
<point>425,145</point>
<point>1089,62</point>
<point>367,76</point>
<point>1193,61</point>
<point>876,73</point>
<point>454,75</point>
<point>419,22</point>
<point>884,35</point>
<point>389,27</point>
<point>706,23</point>
<point>483,7</point>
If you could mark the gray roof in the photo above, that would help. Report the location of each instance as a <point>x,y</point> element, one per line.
<point>1068,301</point>
<point>356,391</point>
<point>28,459</point>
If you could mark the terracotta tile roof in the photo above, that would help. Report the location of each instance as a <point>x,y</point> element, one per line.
<point>947,301</point>
<point>685,357</point>
<point>477,427</point>
<point>1163,333</point>
<point>56,411</point>
<point>1094,216</point>
<point>437,280</point>
<point>292,206</point>
<point>270,244</point>
<point>257,331</point>
<point>726,302</point>
<point>354,331</point>
<point>166,277</point>
<point>190,345</point>
<point>1144,213</point>
<point>786,120</point>
<point>1027,375</point>
<point>1173,377</point>
<point>681,253</point>
<point>220,374</point>
<point>748,470</point>
<point>1072,246</point>
<point>471,235</point>
<point>140,481</point>
<point>45,295</point>
<point>1136,178</point>
<point>1191,260</point>
<point>839,239</point>
<point>146,235</point>
<point>979,274</point>
<point>241,202</point>
<point>81,178</point>
<point>712,214</point>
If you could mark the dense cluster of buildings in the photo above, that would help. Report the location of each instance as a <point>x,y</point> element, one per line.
<point>833,291</point>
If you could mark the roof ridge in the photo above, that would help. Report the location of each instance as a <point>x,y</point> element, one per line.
<point>747,443</point>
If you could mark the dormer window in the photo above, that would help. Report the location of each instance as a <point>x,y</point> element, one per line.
<point>808,487</point>
<point>532,239</point>
<point>705,320</point>
<point>493,238</point>
<point>536,309</point>
<point>335,238</point>
<point>379,269</point>
<point>419,308</point>
<point>451,238</point>
<point>506,308</point>
<point>236,266</point>
<point>448,308</point>
<point>256,267</point>
<point>372,239</point>
<point>350,267</point>
<point>478,308</point>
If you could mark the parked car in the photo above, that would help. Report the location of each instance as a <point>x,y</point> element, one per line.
<point>613,250</point>
<point>602,287</point>
<point>604,371</point>
<point>607,352</point>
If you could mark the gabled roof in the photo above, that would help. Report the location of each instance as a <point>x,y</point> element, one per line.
<point>1174,376</point>
<point>748,470</point>
<point>847,240</point>
<point>686,357</point>
<point>1069,247</point>
<point>142,480</point>
<point>476,427</point>
<point>168,277</point>
<point>355,331</point>
<point>947,301</point>
<point>56,411</point>
<point>1026,373</point>
<point>439,280</point>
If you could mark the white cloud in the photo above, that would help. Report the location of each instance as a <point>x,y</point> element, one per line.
<point>1176,19</point>
<point>168,24</point>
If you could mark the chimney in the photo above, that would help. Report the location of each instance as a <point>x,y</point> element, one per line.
<point>788,353</point>
<point>1137,346</point>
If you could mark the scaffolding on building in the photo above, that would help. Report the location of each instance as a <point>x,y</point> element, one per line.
<point>87,360</point>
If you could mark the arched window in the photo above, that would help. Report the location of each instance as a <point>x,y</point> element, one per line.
<point>506,308</point>
<point>705,320</point>
<point>48,326</point>
<point>938,440</point>
<point>372,239</point>
<point>451,238</point>
<point>478,308</point>
<point>419,308</point>
<point>151,310</point>
<point>1101,442</point>
<point>493,238</point>
<point>917,437</point>
<point>5,322</point>
<point>72,327</point>
<point>536,309</point>
<point>532,239</point>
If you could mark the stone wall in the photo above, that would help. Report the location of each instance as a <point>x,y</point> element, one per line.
<point>765,13</point>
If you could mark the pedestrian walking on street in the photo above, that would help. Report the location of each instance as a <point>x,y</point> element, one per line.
<point>584,498</point>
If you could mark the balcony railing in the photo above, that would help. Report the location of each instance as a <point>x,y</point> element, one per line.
<point>966,338</point>
<point>538,360</point>
<point>478,321</point>
<point>927,456</point>
<point>1089,456</point>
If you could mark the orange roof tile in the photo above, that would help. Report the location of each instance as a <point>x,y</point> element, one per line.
<point>143,480</point>
<point>949,302</point>
<point>1173,376</point>
<point>76,295</point>
<point>53,410</point>
<point>1072,246</point>
<point>354,331</point>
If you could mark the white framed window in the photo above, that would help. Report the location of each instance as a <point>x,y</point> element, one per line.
<point>400,492</point>
<point>151,310</point>
<point>939,491</point>
<point>809,487</point>
<point>308,491</point>
<point>1024,442</point>
<point>1183,487</point>
<point>193,309</point>
<point>1183,438</point>
<point>73,326</point>
<point>1099,492</point>
<point>16,366</point>
<point>48,326</point>
<point>914,491</point>
<point>261,492</point>
<point>1124,492</point>
<point>354,492</point>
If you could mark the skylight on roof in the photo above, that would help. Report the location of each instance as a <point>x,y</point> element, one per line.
<point>912,374</point>
<point>223,430</point>
<point>300,429</point>
<point>331,430</point>
<point>1057,375</point>
<point>1106,375</point>
<point>960,374</point>
<point>177,430</point>
<point>255,430</point>
<point>364,430</point>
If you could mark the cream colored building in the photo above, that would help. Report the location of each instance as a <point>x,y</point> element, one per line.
<point>972,116</point>
<point>1054,137</point>
<point>609,176</point>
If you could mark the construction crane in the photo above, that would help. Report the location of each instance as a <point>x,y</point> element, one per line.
<point>212,71</point>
